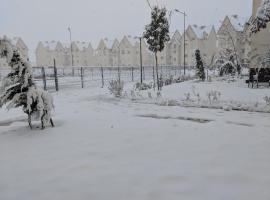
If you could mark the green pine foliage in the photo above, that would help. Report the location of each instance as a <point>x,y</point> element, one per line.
<point>157,32</point>
<point>200,73</point>
<point>18,88</point>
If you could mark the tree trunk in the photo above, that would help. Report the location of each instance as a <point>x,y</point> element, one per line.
<point>154,79</point>
<point>158,84</point>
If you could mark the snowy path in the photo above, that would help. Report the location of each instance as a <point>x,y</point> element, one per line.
<point>103,148</point>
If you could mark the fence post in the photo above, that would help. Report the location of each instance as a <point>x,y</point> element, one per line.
<point>132,74</point>
<point>55,76</point>
<point>119,74</point>
<point>82,77</point>
<point>102,77</point>
<point>44,78</point>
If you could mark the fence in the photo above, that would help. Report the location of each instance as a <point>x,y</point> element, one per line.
<point>58,78</point>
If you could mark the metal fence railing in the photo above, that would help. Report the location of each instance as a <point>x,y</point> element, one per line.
<point>57,78</point>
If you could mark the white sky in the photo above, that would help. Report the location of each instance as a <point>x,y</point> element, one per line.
<point>90,20</point>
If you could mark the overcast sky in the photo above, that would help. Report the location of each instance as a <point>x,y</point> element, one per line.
<point>90,20</point>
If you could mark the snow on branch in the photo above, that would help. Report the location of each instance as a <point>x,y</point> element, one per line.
<point>262,17</point>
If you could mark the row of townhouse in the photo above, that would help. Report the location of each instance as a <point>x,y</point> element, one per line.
<point>108,53</point>
<point>22,48</point>
<point>233,33</point>
<point>127,51</point>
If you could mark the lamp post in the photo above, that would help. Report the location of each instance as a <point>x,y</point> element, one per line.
<point>71,50</point>
<point>184,14</point>
<point>118,68</point>
<point>140,38</point>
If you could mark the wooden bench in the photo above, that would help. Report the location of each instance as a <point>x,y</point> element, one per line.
<point>256,82</point>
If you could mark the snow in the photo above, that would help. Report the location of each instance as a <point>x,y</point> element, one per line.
<point>134,41</point>
<point>238,22</point>
<point>262,16</point>
<point>82,45</point>
<point>176,36</point>
<point>109,43</point>
<point>202,32</point>
<point>108,148</point>
<point>51,45</point>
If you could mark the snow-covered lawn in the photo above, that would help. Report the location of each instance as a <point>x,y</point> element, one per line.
<point>105,148</point>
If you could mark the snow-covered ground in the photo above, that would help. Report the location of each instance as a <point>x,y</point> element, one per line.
<point>106,148</point>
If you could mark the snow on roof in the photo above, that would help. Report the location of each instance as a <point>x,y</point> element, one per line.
<point>82,45</point>
<point>238,22</point>
<point>115,44</point>
<point>201,31</point>
<point>133,40</point>
<point>66,45</point>
<point>51,45</point>
<point>108,43</point>
<point>15,40</point>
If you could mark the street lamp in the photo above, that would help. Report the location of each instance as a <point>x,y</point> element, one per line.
<point>184,14</point>
<point>71,50</point>
<point>140,38</point>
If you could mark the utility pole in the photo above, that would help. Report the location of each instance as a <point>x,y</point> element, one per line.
<point>141,60</point>
<point>118,69</point>
<point>184,43</point>
<point>141,64</point>
<point>71,50</point>
<point>183,13</point>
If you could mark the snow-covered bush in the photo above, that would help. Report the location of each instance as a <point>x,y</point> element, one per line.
<point>116,88</point>
<point>159,94</point>
<point>187,95</point>
<point>149,95</point>
<point>18,88</point>
<point>267,100</point>
<point>183,78</point>
<point>169,81</point>
<point>143,86</point>
<point>196,94</point>
<point>213,96</point>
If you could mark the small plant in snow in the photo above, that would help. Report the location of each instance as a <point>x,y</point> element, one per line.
<point>169,81</point>
<point>213,96</point>
<point>142,86</point>
<point>159,94</point>
<point>116,88</point>
<point>267,100</point>
<point>133,95</point>
<point>187,95</point>
<point>196,95</point>
<point>149,95</point>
